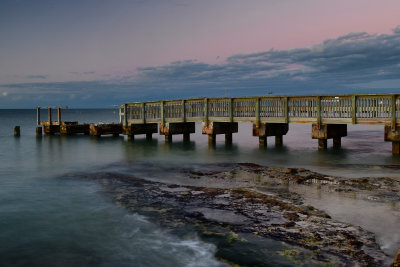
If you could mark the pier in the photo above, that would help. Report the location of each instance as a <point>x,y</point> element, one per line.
<point>270,116</point>
<point>328,115</point>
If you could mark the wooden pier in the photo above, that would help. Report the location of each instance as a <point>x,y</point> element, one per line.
<point>270,115</point>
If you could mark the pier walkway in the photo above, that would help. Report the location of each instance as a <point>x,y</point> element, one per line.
<point>270,115</point>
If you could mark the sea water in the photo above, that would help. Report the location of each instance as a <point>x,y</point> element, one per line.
<point>47,218</point>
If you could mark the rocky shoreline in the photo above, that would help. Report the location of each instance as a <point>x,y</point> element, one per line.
<point>247,201</point>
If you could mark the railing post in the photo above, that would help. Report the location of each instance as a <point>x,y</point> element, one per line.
<point>126,115</point>
<point>353,109</point>
<point>184,110</point>
<point>206,111</point>
<point>143,113</point>
<point>231,109</point>
<point>286,109</point>
<point>162,113</point>
<point>393,113</point>
<point>319,112</point>
<point>257,111</point>
<point>38,115</point>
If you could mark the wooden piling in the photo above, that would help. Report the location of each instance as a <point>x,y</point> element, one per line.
<point>59,115</point>
<point>396,148</point>
<point>17,131</point>
<point>322,144</point>
<point>168,138</point>
<point>228,138</point>
<point>212,139</point>
<point>262,140</point>
<point>39,131</point>
<point>186,137</point>
<point>38,115</point>
<point>278,140</point>
<point>337,143</point>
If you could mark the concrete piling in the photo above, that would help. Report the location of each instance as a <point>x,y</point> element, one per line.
<point>214,128</point>
<point>393,135</point>
<point>173,128</point>
<point>329,131</point>
<point>262,130</point>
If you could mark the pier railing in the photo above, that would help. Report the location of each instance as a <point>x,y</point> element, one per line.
<point>325,109</point>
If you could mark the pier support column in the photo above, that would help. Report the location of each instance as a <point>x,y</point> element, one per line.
<point>173,128</point>
<point>168,138</point>
<point>263,130</point>
<point>278,140</point>
<point>228,138</point>
<point>212,138</point>
<point>142,128</point>
<point>17,131</point>
<point>322,144</point>
<point>337,143</point>
<point>39,131</point>
<point>262,141</point>
<point>213,128</point>
<point>329,131</point>
<point>186,137</point>
<point>394,137</point>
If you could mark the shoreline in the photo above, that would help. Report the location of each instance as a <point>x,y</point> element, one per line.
<point>240,202</point>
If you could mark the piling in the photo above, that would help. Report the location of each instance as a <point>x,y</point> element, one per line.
<point>213,128</point>
<point>173,128</point>
<point>262,130</point>
<point>39,131</point>
<point>17,131</point>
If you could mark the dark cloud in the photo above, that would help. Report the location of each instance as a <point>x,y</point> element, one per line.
<point>353,63</point>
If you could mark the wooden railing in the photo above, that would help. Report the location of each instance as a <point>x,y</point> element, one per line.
<point>325,109</point>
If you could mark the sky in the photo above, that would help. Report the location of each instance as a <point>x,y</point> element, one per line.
<point>96,53</point>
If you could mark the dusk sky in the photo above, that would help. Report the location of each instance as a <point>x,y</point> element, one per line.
<point>87,53</point>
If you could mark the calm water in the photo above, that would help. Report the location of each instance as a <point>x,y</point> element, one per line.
<point>46,218</point>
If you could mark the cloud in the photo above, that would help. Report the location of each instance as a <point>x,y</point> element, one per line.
<point>353,63</point>
<point>36,77</point>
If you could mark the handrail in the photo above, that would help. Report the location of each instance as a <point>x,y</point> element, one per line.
<point>321,109</point>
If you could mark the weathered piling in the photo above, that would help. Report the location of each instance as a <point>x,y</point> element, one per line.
<point>72,127</point>
<point>39,131</point>
<point>173,128</point>
<point>98,130</point>
<point>213,128</point>
<point>328,131</point>
<point>262,130</point>
<point>393,135</point>
<point>17,131</point>
<point>138,129</point>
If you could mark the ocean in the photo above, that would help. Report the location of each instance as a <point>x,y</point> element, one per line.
<point>51,217</point>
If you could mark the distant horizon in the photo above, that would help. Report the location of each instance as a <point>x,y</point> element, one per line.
<point>92,54</point>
